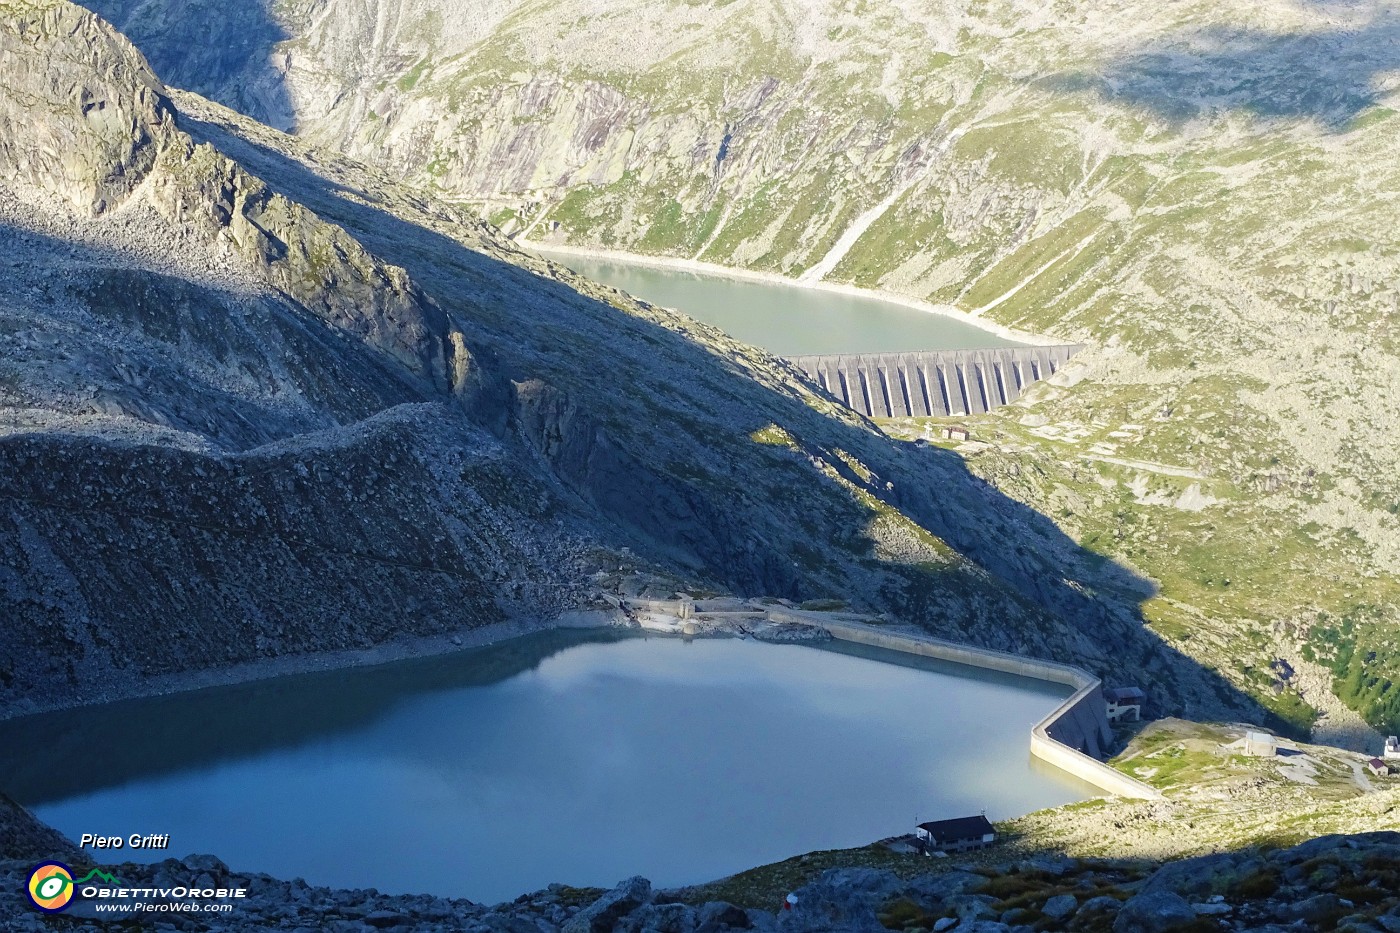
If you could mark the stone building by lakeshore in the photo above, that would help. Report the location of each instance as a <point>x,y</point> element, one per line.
<point>1260,745</point>
<point>1124,704</point>
<point>959,835</point>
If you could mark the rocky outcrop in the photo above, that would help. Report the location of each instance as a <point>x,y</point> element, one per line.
<point>24,838</point>
<point>317,264</point>
<point>86,121</point>
<point>603,914</point>
<point>81,114</point>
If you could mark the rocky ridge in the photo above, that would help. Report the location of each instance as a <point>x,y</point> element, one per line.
<point>265,402</point>
<point>1196,191</point>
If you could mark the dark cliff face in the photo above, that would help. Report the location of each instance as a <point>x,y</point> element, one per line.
<point>316,264</point>
<point>119,562</point>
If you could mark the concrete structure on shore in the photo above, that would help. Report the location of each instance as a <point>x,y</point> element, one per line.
<point>1073,737</point>
<point>1260,745</point>
<point>934,383</point>
<point>1124,703</point>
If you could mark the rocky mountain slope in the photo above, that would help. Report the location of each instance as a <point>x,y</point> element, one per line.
<point>1202,193</point>
<point>1331,883</point>
<point>258,401</point>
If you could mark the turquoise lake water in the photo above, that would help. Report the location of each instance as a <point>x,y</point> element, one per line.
<point>574,757</point>
<point>790,320</point>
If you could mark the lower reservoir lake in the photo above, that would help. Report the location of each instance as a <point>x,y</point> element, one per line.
<point>786,319</point>
<point>573,756</point>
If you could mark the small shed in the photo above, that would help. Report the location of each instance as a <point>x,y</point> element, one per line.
<point>968,832</point>
<point>1124,704</point>
<point>956,432</point>
<point>1260,745</point>
<point>1392,747</point>
<point>1378,767</point>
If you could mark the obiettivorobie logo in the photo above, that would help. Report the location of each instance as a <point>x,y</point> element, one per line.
<point>51,885</point>
<point>52,889</point>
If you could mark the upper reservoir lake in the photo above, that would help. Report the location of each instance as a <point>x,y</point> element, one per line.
<point>580,757</point>
<point>789,320</point>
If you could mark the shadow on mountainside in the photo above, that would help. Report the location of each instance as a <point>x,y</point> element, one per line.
<point>190,358</point>
<point>224,49</point>
<point>737,514</point>
<point>1329,76</point>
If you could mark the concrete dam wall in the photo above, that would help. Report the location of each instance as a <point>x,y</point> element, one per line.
<point>1072,737</point>
<point>936,383</point>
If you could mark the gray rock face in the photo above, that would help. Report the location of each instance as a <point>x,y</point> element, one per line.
<point>1153,912</point>
<point>972,907</point>
<point>660,918</point>
<point>604,913</point>
<point>1197,878</point>
<point>1060,906</point>
<point>1315,909</point>
<point>842,899</point>
<point>85,120</point>
<point>317,264</point>
<point>81,114</point>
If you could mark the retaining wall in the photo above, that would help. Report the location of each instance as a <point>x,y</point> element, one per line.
<point>935,383</point>
<point>1071,738</point>
<point>1067,738</point>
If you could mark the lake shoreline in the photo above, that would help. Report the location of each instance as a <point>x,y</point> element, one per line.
<point>411,726</point>
<point>416,647</point>
<point>714,270</point>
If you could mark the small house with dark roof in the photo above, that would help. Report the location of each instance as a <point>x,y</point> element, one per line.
<point>1378,767</point>
<point>1124,704</point>
<point>956,432</point>
<point>968,832</point>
